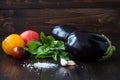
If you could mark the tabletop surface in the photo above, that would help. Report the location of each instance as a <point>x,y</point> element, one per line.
<point>101,16</point>
<point>27,69</point>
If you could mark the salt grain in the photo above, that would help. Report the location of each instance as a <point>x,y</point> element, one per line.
<point>44,65</point>
<point>39,65</point>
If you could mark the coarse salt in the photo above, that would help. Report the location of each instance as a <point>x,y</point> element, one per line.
<point>44,65</point>
<point>39,65</point>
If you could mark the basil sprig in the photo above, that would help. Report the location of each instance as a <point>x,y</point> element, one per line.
<point>48,47</point>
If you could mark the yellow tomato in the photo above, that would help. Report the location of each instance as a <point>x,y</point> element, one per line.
<point>12,41</point>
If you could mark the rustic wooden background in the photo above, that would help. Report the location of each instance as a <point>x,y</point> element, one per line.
<point>101,16</point>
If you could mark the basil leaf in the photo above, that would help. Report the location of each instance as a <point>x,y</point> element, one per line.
<point>55,56</point>
<point>64,55</point>
<point>43,49</point>
<point>59,45</point>
<point>49,40</point>
<point>33,44</point>
<point>47,48</point>
<point>33,52</point>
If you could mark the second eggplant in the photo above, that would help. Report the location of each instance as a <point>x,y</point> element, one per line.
<point>88,46</point>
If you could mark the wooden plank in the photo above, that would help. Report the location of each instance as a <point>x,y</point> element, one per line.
<point>96,19</point>
<point>42,15</point>
<point>102,20</point>
<point>7,4</point>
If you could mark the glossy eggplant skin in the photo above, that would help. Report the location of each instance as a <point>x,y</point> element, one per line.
<point>61,32</point>
<point>86,46</point>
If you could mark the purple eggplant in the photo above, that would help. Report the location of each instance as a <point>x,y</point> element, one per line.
<point>88,46</point>
<point>61,32</point>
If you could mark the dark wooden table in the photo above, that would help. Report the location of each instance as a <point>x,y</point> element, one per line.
<point>42,15</point>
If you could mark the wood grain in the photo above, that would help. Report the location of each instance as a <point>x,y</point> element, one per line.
<point>42,15</point>
<point>87,19</point>
<point>101,16</point>
<point>6,4</point>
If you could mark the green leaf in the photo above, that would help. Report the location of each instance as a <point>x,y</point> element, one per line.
<point>64,55</point>
<point>43,49</point>
<point>33,52</point>
<point>43,37</point>
<point>33,44</point>
<point>55,55</point>
<point>43,52</point>
<point>59,44</point>
<point>48,48</point>
<point>49,40</point>
<point>43,55</point>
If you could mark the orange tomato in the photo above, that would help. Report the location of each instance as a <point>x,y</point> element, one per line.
<point>12,41</point>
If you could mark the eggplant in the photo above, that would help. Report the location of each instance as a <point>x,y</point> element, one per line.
<point>88,46</point>
<point>61,32</point>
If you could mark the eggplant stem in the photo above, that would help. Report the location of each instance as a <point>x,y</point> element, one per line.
<point>110,50</point>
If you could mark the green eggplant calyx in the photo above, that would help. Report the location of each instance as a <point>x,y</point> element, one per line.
<point>111,48</point>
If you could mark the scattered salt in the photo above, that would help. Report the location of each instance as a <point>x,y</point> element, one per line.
<point>44,65</point>
<point>39,65</point>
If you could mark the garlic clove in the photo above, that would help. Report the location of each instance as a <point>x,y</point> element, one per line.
<point>71,63</point>
<point>63,62</point>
